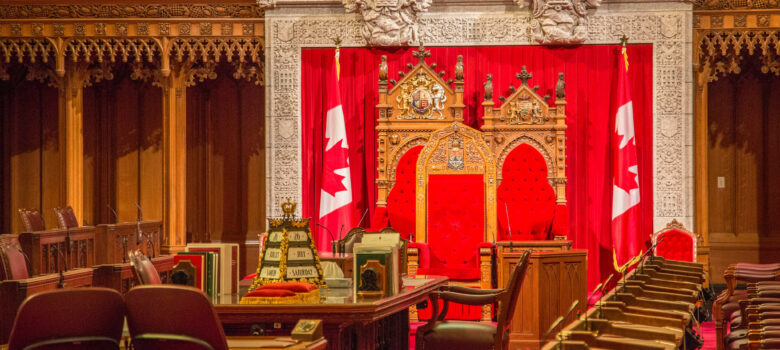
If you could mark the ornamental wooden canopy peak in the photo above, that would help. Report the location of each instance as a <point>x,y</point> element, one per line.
<point>410,109</point>
<point>525,117</point>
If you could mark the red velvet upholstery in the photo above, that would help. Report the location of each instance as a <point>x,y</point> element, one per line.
<point>14,263</point>
<point>86,313</point>
<point>676,245</point>
<point>32,220</point>
<point>295,287</point>
<point>456,222</point>
<point>274,293</point>
<point>529,198</point>
<point>379,220</point>
<point>400,201</point>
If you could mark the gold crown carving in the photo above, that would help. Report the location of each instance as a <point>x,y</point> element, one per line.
<point>288,207</point>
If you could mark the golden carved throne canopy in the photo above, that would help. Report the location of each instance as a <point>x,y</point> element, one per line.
<point>416,105</point>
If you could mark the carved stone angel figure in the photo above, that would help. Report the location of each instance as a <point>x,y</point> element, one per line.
<point>388,22</point>
<point>559,21</point>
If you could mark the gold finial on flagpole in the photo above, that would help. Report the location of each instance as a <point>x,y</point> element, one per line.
<point>337,42</point>
<point>623,40</point>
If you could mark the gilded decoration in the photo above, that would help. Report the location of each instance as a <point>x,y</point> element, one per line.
<point>455,149</point>
<point>410,109</point>
<point>524,117</point>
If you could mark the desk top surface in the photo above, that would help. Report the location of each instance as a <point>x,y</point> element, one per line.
<point>339,300</point>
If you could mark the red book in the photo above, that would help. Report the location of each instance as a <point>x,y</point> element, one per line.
<point>200,262</point>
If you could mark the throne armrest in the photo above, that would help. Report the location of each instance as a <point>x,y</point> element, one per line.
<point>418,255</point>
<point>468,299</point>
<point>467,290</point>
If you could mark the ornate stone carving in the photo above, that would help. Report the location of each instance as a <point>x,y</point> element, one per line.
<point>388,22</point>
<point>129,10</point>
<point>734,4</point>
<point>559,22</point>
<point>666,30</point>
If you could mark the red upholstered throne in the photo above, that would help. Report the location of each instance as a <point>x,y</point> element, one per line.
<point>527,137</point>
<point>435,209</point>
<point>677,243</point>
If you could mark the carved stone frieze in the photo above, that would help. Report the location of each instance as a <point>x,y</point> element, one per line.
<point>734,4</point>
<point>668,32</point>
<point>388,22</point>
<point>559,22</point>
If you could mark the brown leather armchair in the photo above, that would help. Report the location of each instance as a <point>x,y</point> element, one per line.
<point>66,217</point>
<point>448,335</point>
<point>32,220</point>
<point>144,269</point>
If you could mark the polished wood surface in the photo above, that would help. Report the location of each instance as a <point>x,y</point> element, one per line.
<point>121,277</point>
<point>114,241</point>
<point>13,293</point>
<point>383,323</point>
<point>319,344</point>
<point>49,252</point>
<point>553,281</point>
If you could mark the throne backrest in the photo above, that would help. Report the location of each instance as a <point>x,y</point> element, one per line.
<point>455,193</point>
<point>419,103</point>
<point>525,118</point>
<point>677,243</point>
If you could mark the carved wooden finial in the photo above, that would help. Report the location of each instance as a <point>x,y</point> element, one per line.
<point>421,53</point>
<point>524,76</point>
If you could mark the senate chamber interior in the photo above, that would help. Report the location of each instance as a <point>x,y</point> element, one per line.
<point>390,174</point>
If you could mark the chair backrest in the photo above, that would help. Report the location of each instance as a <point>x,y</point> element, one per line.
<point>172,317</point>
<point>78,318</point>
<point>525,196</point>
<point>508,301</point>
<point>14,262</point>
<point>401,200</point>
<point>32,220</point>
<point>66,217</point>
<point>144,269</point>
<point>677,243</point>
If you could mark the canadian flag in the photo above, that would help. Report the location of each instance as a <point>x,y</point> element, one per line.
<point>626,237</point>
<point>336,191</point>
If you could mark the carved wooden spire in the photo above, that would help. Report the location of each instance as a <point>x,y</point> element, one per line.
<point>421,53</point>
<point>524,76</point>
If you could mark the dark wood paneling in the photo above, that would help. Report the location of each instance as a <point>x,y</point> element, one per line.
<point>744,121</point>
<point>30,151</point>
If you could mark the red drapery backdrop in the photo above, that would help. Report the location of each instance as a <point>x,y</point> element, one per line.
<point>591,76</point>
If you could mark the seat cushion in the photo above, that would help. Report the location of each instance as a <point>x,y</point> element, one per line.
<point>450,335</point>
<point>736,335</point>
<point>729,309</point>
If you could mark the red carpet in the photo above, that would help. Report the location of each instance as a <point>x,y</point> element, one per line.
<point>708,333</point>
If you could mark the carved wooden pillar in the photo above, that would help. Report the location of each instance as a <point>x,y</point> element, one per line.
<point>174,160</point>
<point>71,137</point>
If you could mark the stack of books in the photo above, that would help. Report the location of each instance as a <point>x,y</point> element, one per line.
<point>216,264</point>
<point>377,270</point>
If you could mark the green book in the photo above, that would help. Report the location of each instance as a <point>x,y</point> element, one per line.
<point>385,259</point>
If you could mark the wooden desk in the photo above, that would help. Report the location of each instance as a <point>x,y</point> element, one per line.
<point>13,292</point>
<point>121,277</point>
<point>115,240</point>
<point>344,261</point>
<point>553,281</point>
<point>347,325</point>
<point>48,250</point>
<point>319,344</point>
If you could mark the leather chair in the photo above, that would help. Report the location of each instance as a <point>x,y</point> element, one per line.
<point>32,220</point>
<point>66,217</point>
<point>172,318</point>
<point>143,267</point>
<point>448,335</point>
<point>78,318</point>
<point>13,261</point>
<point>527,200</point>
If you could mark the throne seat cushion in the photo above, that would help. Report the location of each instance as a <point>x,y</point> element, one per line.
<point>676,245</point>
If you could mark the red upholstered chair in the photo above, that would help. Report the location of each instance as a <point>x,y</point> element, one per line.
<point>526,194</point>
<point>143,267</point>
<point>677,243</point>
<point>64,319</point>
<point>66,217</point>
<point>401,200</point>
<point>172,318</point>
<point>32,220</point>
<point>13,261</point>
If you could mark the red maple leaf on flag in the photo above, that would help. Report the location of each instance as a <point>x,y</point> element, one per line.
<point>625,176</point>
<point>335,158</point>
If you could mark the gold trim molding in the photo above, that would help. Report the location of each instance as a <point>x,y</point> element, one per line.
<point>131,11</point>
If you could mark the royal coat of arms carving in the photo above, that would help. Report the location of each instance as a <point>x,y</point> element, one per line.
<point>421,98</point>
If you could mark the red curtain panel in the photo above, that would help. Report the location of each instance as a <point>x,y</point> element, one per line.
<point>590,73</point>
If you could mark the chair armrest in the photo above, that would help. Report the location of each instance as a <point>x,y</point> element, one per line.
<point>467,290</point>
<point>468,299</point>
